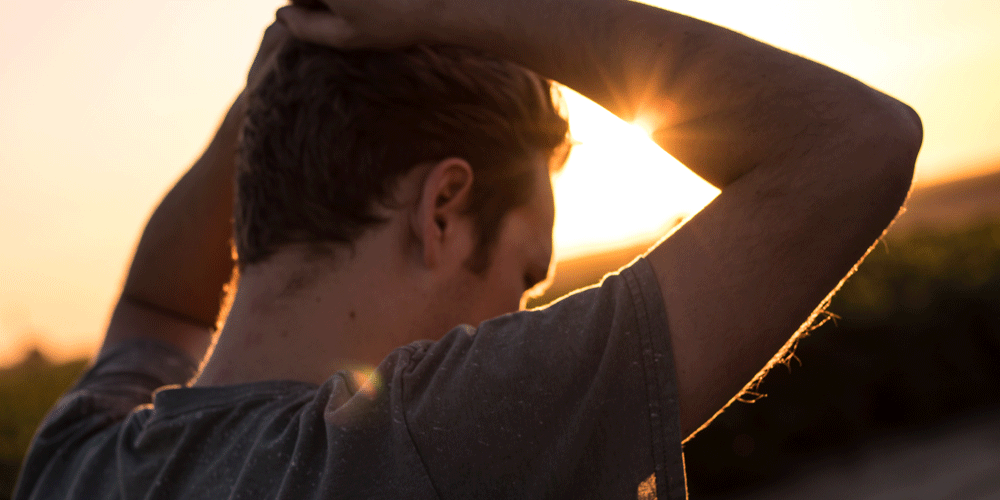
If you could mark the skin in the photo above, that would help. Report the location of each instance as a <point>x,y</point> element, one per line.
<point>405,281</point>
<point>813,165</point>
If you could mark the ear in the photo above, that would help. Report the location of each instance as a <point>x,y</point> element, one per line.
<point>444,196</point>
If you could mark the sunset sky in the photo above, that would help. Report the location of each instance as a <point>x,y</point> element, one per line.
<point>103,104</point>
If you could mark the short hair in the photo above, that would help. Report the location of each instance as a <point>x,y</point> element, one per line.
<point>328,132</point>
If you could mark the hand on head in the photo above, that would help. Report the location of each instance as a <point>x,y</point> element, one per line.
<point>274,38</point>
<point>355,24</point>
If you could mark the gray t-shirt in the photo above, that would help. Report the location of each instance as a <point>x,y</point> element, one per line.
<point>576,400</point>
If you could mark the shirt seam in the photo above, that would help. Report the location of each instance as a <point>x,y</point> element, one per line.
<point>657,389</point>
<point>398,406</point>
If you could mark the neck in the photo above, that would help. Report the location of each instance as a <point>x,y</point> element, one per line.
<point>296,319</point>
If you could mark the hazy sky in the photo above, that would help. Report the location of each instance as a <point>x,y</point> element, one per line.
<point>104,103</point>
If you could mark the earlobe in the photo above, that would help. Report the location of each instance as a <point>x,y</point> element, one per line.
<point>444,197</point>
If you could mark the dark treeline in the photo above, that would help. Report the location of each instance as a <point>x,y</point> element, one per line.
<point>917,343</point>
<point>27,391</point>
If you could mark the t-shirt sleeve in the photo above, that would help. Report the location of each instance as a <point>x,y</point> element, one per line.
<point>122,378</point>
<point>576,400</point>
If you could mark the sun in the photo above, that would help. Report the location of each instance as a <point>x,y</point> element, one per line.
<point>618,186</point>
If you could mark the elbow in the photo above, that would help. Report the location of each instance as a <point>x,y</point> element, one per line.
<point>905,133</point>
<point>911,125</point>
<point>893,137</point>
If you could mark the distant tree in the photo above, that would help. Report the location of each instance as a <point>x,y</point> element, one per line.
<point>27,392</point>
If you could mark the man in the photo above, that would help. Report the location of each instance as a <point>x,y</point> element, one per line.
<point>586,398</point>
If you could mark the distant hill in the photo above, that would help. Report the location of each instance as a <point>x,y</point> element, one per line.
<point>940,206</point>
<point>952,204</point>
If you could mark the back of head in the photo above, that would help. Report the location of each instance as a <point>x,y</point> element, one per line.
<point>329,132</point>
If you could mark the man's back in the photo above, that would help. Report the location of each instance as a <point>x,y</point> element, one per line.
<point>534,404</point>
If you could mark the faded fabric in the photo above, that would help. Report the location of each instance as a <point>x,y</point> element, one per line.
<point>576,400</point>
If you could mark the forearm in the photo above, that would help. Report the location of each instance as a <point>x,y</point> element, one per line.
<point>718,101</point>
<point>183,258</point>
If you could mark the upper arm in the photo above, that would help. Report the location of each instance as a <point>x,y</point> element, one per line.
<point>756,265</point>
<point>135,319</point>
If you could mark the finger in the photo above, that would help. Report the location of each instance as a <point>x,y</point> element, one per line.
<point>319,27</point>
<point>274,36</point>
<point>310,4</point>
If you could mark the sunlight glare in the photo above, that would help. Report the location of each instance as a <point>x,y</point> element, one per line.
<point>618,186</point>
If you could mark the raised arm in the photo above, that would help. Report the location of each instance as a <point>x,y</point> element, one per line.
<point>174,286</point>
<point>813,164</point>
